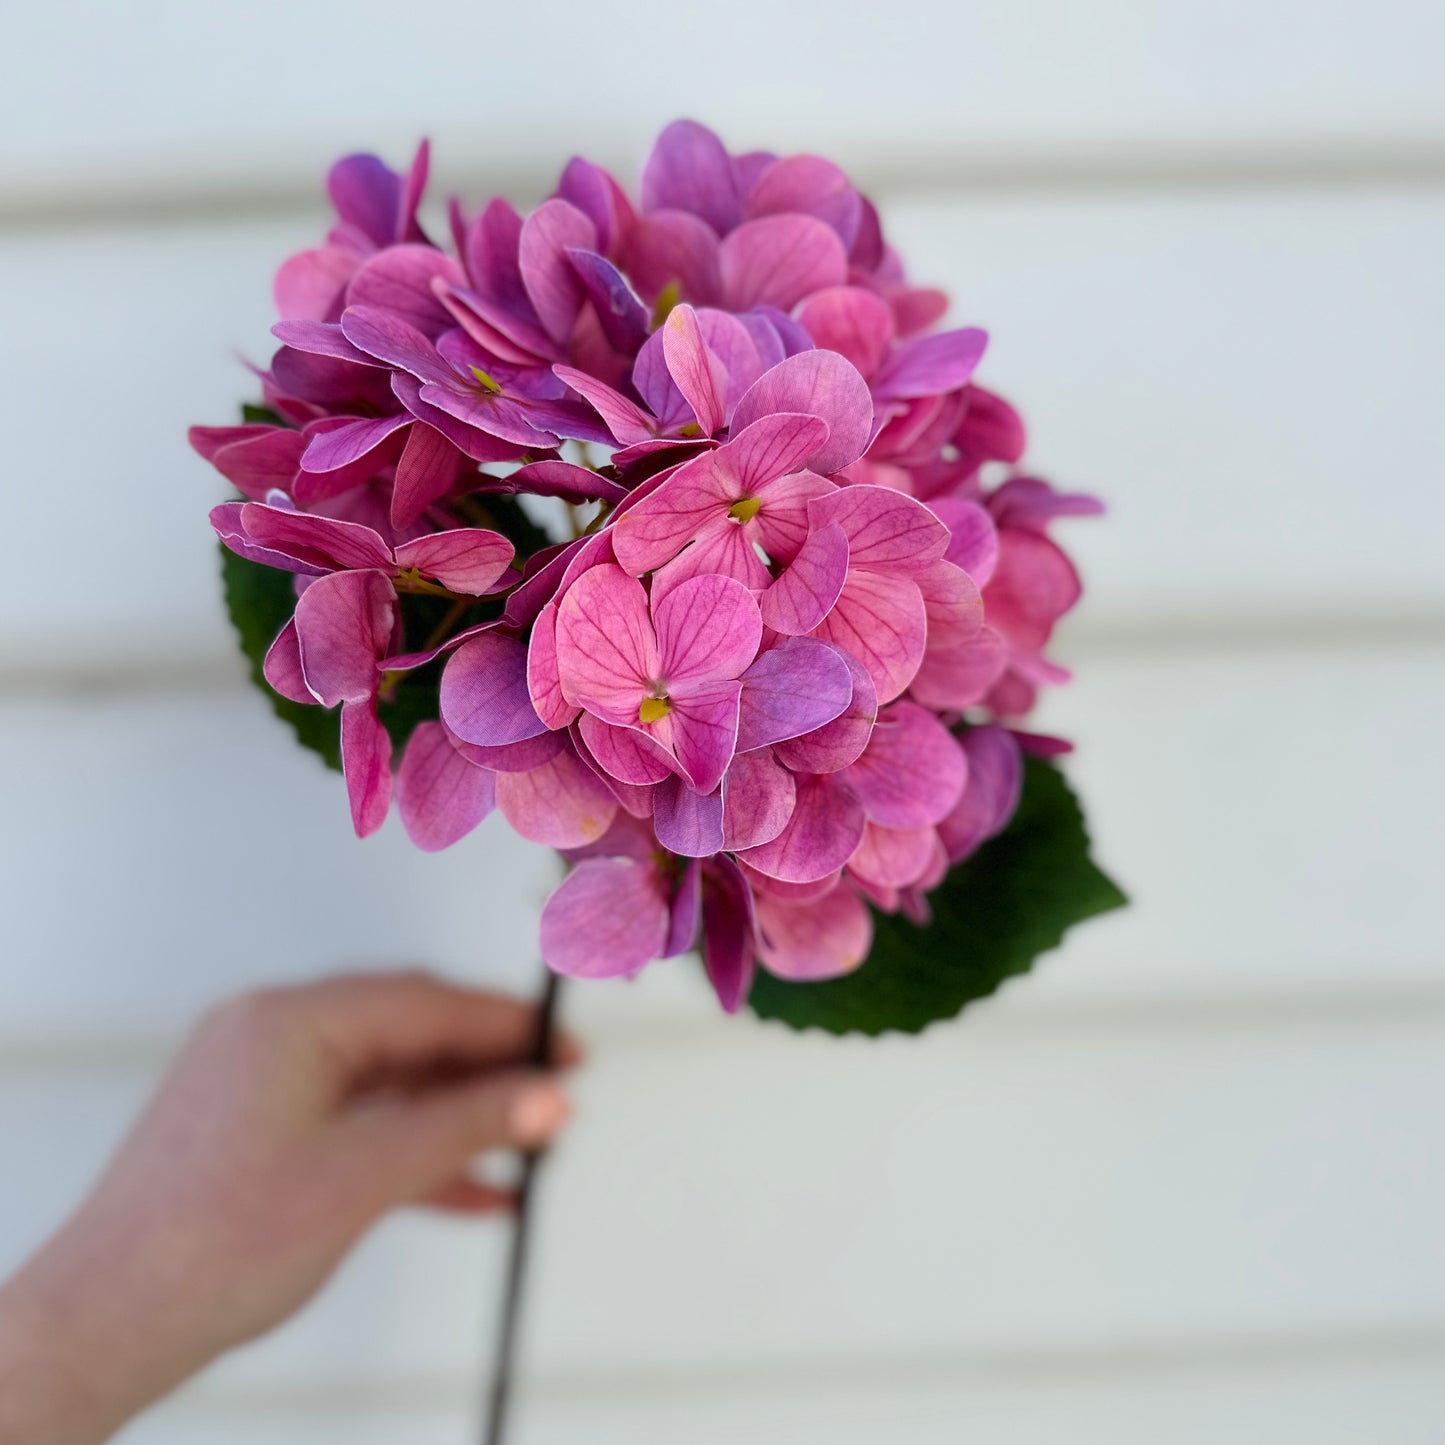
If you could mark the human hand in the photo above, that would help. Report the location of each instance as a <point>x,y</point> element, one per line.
<point>291,1122</point>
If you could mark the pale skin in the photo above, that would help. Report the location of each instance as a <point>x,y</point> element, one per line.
<point>292,1120</point>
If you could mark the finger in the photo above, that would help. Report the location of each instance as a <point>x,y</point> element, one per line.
<point>372,1024</point>
<point>465,1195</point>
<point>415,1145</point>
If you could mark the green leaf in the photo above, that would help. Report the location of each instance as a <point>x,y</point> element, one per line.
<point>992,916</point>
<point>251,414</point>
<point>260,601</point>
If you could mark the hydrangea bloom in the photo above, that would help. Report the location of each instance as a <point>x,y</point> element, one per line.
<point>771,682</point>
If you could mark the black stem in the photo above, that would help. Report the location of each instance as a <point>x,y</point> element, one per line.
<point>499,1393</point>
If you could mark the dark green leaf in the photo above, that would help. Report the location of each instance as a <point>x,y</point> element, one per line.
<point>992,916</point>
<point>252,414</point>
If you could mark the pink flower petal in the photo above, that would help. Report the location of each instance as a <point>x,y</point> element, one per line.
<point>810,185</point>
<point>561,804</point>
<point>707,627</point>
<point>607,919</point>
<point>724,550</point>
<point>254,459</point>
<point>881,620</point>
<point>699,374</point>
<point>627,421</point>
<point>729,937</point>
<point>344,623</point>
<point>656,528</point>
<point>366,763</point>
<point>771,447</point>
<point>544,683</point>
<point>805,592</point>
<point>426,471</point>
<point>703,730</point>
<point>339,441</point>
<point>552,284</point>
<point>688,823</point>
<point>484,694</point>
<point>465,559</point>
<point>887,531</point>
<point>779,260</point>
<point>952,602</point>
<point>519,757</point>
<point>806,942</point>
<point>973,538</point>
<point>607,651</point>
<point>399,280</point>
<point>686,911</point>
<point>758,795</point>
<point>833,746</point>
<point>912,773</point>
<point>309,284</point>
<point>440,794</point>
<point>558,479</point>
<point>629,754</point>
<point>855,323</point>
<point>951,678</point>
<point>782,522</point>
<point>821,384</point>
<point>792,689</point>
<point>825,828</point>
<point>1033,585</point>
<point>674,249</point>
<point>282,666</point>
<point>321,541</point>
<point>893,857</point>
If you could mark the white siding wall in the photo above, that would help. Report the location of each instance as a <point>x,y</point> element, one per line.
<point>1186,1184</point>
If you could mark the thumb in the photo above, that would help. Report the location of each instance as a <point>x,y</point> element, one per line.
<point>420,1144</point>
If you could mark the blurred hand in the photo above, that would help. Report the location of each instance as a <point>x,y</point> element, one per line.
<point>290,1123</point>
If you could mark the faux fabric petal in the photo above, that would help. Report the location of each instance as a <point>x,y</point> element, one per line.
<point>553,285</point>
<point>887,531</point>
<point>464,559</point>
<point>698,374</point>
<point>779,260</point>
<point>881,620</point>
<point>833,746</point>
<point>806,942</point>
<point>930,365</point>
<point>688,823</point>
<point>758,794</point>
<point>282,666</point>
<point>729,938</point>
<point>366,764</point>
<point>688,169</point>
<point>344,623</point>
<point>702,731</point>
<point>821,384</point>
<point>607,651</point>
<point>399,280</point>
<point>708,627</point>
<point>825,828</point>
<point>561,804</point>
<point>792,689</point>
<point>805,592</point>
<point>440,795</point>
<point>608,918</point>
<point>852,321</point>
<point>674,251</point>
<point>995,781</point>
<point>484,694</point>
<point>912,773</point>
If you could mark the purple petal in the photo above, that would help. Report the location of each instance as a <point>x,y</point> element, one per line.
<point>465,559</point>
<point>366,763</point>
<point>607,919</point>
<point>395,340</point>
<point>686,912</point>
<point>825,828</point>
<point>399,282</point>
<point>833,746</point>
<point>367,195</point>
<point>806,942</point>
<point>620,313</point>
<point>821,384</point>
<point>778,261</point>
<point>561,804</point>
<point>557,479</point>
<point>973,537</point>
<point>729,941</point>
<point>599,198</point>
<point>793,689</point>
<point>911,774</point>
<point>991,429</point>
<point>1029,503</point>
<point>627,421</point>
<point>440,795</point>
<point>894,857</point>
<point>337,442</point>
<point>519,757</point>
<point>995,779</point>
<point>1032,586</point>
<point>320,338</point>
<point>484,694</point>
<point>805,592</point>
<point>479,445</point>
<point>555,289</point>
<point>708,627</point>
<point>689,170</point>
<point>674,249</point>
<point>309,285</point>
<point>344,623</point>
<point>758,796</point>
<point>226,520</point>
<point>252,459</point>
<point>688,823</point>
<point>927,365</point>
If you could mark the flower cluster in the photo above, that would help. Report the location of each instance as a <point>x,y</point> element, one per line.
<point>771,679</point>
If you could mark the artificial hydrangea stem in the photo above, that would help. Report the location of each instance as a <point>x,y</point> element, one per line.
<point>499,1392</point>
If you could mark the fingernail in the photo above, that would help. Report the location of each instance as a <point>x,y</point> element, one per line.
<point>537,1114</point>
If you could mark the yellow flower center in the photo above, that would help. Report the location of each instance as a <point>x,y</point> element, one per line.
<point>744,510</point>
<point>486,382</point>
<point>653,709</point>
